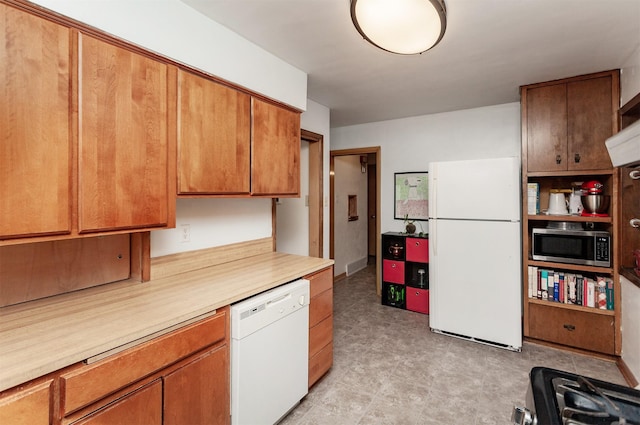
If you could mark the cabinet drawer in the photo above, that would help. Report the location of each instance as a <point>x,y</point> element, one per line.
<point>417,250</point>
<point>320,335</point>
<point>320,307</point>
<point>393,271</point>
<point>26,407</point>
<point>580,329</point>
<point>320,364</point>
<point>91,383</point>
<point>320,281</point>
<point>418,300</point>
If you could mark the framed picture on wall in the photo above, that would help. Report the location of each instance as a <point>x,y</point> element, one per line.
<point>411,196</point>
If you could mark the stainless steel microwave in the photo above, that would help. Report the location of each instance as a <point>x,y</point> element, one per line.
<point>584,247</point>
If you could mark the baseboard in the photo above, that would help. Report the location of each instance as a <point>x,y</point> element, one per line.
<point>626,373</point>
<point>356,266</point>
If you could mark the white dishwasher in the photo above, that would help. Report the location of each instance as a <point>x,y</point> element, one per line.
<point>269,354</point>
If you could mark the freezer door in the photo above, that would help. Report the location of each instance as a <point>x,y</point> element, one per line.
<point>486,189</point>
<point>475,281</point>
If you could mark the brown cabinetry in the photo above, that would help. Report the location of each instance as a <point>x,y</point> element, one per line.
<point>181,377</point>
<point>566,122</point>
<point>564,126</point>
<point>88,141</point>
<point>214,139</point>
<point>141,407</point>
<point>320,324</point>
<point>26,405</point>
<point>231,143</point>
<point>35,118</point>
<point>124,147</point>
<point>275,150</point>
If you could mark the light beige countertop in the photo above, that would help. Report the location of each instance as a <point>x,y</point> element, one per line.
<point>45,335</point>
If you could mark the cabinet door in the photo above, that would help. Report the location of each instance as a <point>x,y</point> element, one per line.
<point>214,137</point>
<point>198,393</point>
<point>590,123</point>
<point>124,139</point>
<point>35,144</point>
<point>547,128</point>
<point>275,150</point>
<point>26,407</point>
<point>142,407</point>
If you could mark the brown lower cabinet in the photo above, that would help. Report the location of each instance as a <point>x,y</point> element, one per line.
<point>142,407</point>
<point>181,377</point>
<point>26,405</point>
<point>320,324</point>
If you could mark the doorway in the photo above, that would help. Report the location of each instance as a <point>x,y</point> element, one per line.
<point>369,159</point>
<point>290,215</point>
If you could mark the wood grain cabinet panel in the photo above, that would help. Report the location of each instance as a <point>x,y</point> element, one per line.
<point>124,139</point>
<point>91,383</point>
<point>141,407</point>
<point>35,118</point>
<point>214,140</point>
<point>29,406</point>
<point>566,122</point>
<point>320,324</point>
<point>590,331</point>
<point>275,150</point>
<point>198,393</point>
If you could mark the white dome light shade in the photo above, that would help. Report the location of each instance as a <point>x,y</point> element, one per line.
<point>406,27</point>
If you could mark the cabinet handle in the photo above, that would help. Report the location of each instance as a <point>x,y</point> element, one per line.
<point>634,174</point>
<point>417,243</point>
<point>576,158</point>
<point>558,159</point>
<point>569,327</point>
<point>635,223</point>
<point>393,266</point>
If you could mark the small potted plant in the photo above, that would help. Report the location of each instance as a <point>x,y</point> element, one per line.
<point>409,226</point>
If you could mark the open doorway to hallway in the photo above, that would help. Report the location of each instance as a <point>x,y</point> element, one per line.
<point>355,210</point>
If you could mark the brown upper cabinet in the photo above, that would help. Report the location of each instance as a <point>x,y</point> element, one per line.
<point>214,139</point>
<point>231,143</point>
<point>275,150</point>
<point>35,118</point>
<point>125,127</point>
<point>88,140</point>
<point>567,122</point>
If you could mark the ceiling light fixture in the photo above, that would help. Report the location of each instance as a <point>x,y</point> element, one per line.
<point>406,27</point>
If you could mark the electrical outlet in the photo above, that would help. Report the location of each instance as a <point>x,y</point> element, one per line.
<point>185,233</point>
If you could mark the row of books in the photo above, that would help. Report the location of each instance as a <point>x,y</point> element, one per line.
<point>570,288</point>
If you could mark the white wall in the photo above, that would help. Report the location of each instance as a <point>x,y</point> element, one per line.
<point>175,30</point>
<point>214,222</point>
<point>350,237</point>
<point>409,144</point>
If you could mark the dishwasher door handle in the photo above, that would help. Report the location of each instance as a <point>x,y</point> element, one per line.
<point>278,300</point>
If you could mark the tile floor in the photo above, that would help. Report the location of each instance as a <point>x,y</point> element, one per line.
<point>389,368</point>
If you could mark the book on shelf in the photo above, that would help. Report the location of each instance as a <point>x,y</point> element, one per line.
<point>533,198</point>
<point>570,288</point>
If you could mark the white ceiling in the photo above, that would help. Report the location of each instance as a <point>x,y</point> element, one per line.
<point>490,48</point>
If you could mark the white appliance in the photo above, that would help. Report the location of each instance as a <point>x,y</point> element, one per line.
<point>475,282</point>
<point>269,354</point>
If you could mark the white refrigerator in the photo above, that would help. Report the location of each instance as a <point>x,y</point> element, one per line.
<point>475,282</point>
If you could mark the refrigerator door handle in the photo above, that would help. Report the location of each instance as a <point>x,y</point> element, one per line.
<point>433,237</point>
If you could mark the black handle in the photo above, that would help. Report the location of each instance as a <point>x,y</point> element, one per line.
<point>576,158</point>
<point>569,327</point>
<point>558,159</point>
